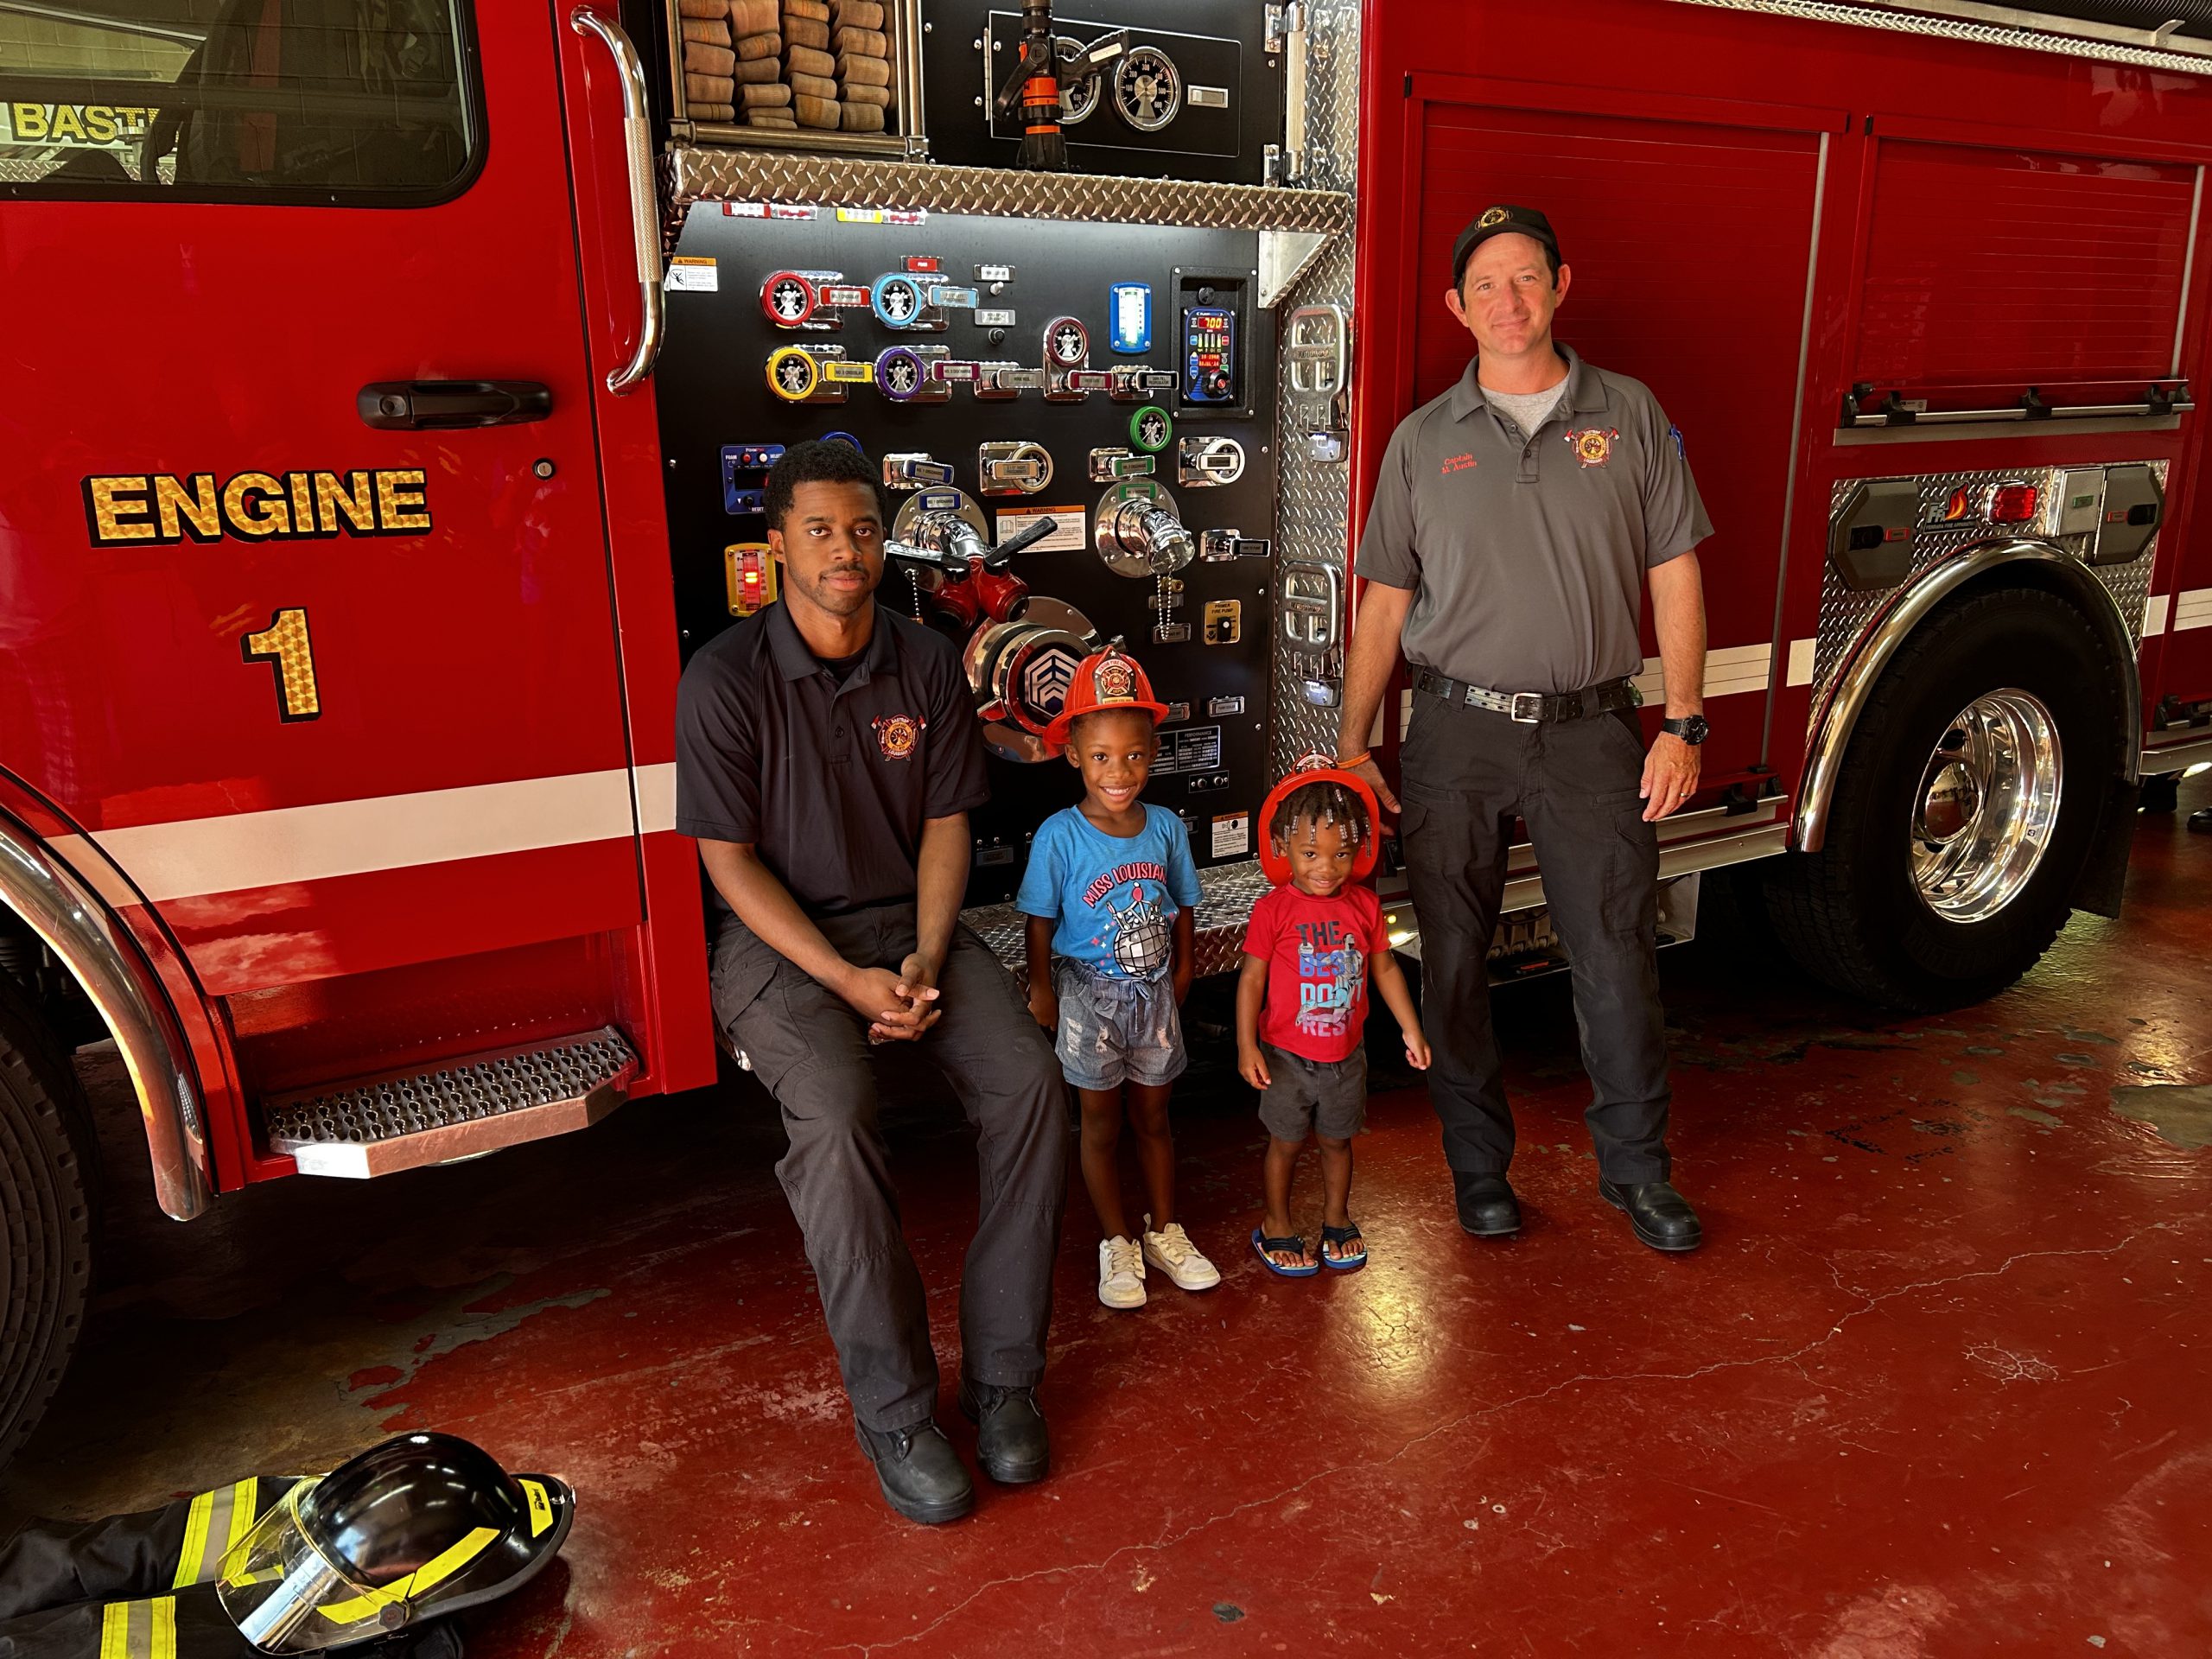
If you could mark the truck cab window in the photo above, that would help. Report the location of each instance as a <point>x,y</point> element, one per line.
<point>351,102</point>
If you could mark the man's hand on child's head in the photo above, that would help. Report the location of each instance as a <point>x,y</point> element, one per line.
<point>1252,1066</point>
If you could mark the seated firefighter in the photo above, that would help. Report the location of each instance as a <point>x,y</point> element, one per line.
<point>827,758</point>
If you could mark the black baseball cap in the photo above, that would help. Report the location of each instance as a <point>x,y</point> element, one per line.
<point>1500,222</point>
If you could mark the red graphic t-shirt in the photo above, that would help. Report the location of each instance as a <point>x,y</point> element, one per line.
<point>1316,950</point>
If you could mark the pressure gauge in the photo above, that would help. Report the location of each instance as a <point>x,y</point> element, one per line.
<point>1148,88</point>
<point>1078,85</point>
<point>1150,430</point>
<point>896,301</point>
<point>1067,343</point>
<point>793,373</point>
<point>787,299</point>
<point>899,373</point>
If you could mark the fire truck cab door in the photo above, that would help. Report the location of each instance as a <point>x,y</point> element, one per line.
<point>304,575</point>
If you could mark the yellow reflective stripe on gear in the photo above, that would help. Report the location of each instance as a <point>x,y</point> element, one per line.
<point>195,1542</point>
<point>139,1630</point>
<point>434,1571</point>
<point>242,1519</point>
<point>541,1507</point>
<point>216,1524</point>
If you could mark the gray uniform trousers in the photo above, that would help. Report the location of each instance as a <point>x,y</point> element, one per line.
<point>811,1051</point>
<point>1467,773</point>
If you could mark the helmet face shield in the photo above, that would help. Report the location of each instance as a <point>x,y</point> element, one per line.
<point>276,1584</point>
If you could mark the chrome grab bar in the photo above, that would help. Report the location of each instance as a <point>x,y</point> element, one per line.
<point>2180,403</point>
<point>644,204</point>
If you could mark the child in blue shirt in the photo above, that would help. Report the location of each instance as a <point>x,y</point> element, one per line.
<point>1110,892</point>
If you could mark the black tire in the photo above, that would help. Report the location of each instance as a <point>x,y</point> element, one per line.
<point>47,1217</point>
<point>1850,913</point>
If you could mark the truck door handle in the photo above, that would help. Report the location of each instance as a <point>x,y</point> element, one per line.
<point>450,406</point>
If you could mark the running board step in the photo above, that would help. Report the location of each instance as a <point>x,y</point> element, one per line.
<point>472,1104</point>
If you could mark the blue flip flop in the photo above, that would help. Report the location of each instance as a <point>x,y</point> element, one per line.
<point>1345,1235</point>
<point>1263,1244</point>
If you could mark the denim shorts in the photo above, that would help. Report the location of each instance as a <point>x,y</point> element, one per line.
<point>1115,1030</point>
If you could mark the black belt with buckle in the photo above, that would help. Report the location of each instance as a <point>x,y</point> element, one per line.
<point>1532,708</point>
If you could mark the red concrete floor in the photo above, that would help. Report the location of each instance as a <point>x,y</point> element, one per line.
<point>1935,1385</point>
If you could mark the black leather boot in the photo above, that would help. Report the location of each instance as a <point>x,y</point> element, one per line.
<point>1487,1206</point>
<point>1661,1216</point>
<point>1011,1443</point>
<point>922,1476</point>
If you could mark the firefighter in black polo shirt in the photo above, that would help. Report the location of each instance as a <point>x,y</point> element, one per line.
<point>1515,519</point>
<point>827,758</point>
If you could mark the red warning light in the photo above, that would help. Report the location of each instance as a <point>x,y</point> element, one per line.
<point>2012,504</point>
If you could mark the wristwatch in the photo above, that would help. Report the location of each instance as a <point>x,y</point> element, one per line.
<point>1691,729</point>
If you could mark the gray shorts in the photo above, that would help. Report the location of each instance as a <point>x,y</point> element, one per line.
<point>1314,1096</point>
<point>1114,1030</point>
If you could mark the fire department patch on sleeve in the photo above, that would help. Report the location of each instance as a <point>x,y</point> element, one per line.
<point>1593,446</point>
<point>896,736</point>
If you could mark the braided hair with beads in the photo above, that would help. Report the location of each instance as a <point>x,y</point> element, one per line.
<point>1321,801</point>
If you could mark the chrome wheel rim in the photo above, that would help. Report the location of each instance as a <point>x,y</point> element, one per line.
<point>1985,806</point>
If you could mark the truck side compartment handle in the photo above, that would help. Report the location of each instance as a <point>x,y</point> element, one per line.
<point>451,405</point>
<point>645,205</point>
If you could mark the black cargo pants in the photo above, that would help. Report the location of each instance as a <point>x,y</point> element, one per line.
<point>811,1051</point>
<point>1467,773</point>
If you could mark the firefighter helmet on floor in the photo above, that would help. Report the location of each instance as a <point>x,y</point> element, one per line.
<point>422,1525</point>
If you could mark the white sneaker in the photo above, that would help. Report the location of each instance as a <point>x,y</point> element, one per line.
<point>1120,1273</point>
<point>1170,1249</point>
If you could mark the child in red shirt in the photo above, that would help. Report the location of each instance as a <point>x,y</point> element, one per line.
<point>1301,1009</point>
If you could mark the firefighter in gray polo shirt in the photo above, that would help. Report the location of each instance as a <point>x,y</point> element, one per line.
<point>1514,521</point>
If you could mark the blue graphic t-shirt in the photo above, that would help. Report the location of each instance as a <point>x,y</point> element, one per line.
<point>1114,897</point>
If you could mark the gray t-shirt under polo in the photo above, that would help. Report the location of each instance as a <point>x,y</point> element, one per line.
<point>1526,553</point>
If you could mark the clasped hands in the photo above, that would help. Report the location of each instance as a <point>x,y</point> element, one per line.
<point>898,1006</point>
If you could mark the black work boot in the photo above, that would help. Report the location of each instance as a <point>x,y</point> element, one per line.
<point>1661,1216</point>
<point>1487,1206</point>
<point>1011,1444</point>
<point>922,1476</point>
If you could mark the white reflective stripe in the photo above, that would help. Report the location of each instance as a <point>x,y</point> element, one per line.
<point>1801,662</point>
<point>656,798</point>
<point>2154,616</point>
<point>189,856</point>
<point>2193,610</point>
<point>1728,670</point>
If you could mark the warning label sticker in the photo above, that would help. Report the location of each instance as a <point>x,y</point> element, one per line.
<point>1232,834</point>
<point>691,274</point>
<point>1068,532</point>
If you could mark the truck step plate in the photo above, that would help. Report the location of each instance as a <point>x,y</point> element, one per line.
<point>473,1103</point>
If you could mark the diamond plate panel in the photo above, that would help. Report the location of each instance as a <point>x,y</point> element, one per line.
<point>1226,895</point>
<point>693,173</point>
<point>464,1091</point>
<point>1314,507</point>
<point>1845,616</point>
<point>1863,15</point>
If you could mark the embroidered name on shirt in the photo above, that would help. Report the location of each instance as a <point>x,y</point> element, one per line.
<point>1457,464</point>
<point>1142,871</point>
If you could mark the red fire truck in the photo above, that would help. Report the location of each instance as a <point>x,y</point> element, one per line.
<point>389,385</point>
